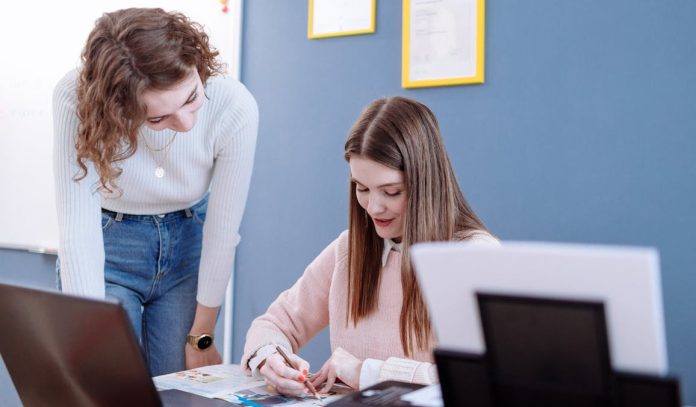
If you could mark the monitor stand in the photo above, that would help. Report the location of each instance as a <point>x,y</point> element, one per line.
<point>545,352</point>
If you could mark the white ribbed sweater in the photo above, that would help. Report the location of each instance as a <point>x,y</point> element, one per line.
<point>217,155</point>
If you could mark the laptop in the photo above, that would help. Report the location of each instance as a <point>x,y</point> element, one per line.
<point>63,350</point>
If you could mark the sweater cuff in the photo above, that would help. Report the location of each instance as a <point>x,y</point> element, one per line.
<point>407,370</point>
<point>369,373</point>
<point>259,356</point>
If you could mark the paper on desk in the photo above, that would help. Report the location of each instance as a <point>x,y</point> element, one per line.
<point>229,383</point>
<point>209,381</point>
<point>429,396</point>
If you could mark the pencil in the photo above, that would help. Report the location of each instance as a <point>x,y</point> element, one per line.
<point>309,385</point>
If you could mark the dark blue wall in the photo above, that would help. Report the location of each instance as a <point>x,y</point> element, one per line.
<point>583,132</point>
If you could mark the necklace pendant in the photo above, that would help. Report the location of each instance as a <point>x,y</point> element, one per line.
<point>159,172</point>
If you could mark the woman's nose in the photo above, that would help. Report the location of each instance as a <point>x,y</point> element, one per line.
<point>184,122</point>
<point>375,206</point>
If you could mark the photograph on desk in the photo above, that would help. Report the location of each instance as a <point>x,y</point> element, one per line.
<point>266,396</point>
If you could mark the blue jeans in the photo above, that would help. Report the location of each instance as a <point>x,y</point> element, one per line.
<point>151,267</point>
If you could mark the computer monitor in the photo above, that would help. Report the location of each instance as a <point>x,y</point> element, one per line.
<point>546,346</point>
<point>626,280</point>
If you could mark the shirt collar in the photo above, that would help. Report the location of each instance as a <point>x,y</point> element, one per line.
<point>389,245</point>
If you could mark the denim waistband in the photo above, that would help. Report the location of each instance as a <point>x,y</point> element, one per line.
<point>187,212</point>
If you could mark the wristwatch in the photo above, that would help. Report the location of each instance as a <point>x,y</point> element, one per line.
<point>200,341</point>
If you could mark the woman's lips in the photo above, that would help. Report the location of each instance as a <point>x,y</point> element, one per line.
<point>382,222</point>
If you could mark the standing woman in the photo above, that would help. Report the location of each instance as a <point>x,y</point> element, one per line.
<point>362,286</point>
<point>153,156</point>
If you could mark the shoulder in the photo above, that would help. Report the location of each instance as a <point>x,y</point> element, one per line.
<point>65,91</point>
<point>342,245</point>
<point>332,257</point>
<point>337,251</point>
<point>339,246</point>
<point>477,236</point>
<point>230,99</point>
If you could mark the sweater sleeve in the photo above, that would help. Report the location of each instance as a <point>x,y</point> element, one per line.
<point>298,313</point>
<point>228,194</point>
<point>78,204</point>
<point>408,370</point>
<point>374,371</point>
<point>483,238</point>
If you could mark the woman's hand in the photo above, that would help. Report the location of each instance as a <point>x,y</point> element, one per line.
<point>197,358</point>
<point>285,379</point>
<point>341,365</point>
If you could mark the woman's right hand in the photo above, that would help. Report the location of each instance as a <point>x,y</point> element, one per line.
<point>285,379</point>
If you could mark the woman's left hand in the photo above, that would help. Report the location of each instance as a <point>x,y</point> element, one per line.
<point>203,321</point>
<point>198,358</point>
<point>341,365</point>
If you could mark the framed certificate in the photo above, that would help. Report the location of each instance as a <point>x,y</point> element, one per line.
<point>443,42</point>
<point>335,18</point>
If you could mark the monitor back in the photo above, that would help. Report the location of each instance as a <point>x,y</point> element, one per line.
<point>625,279</point>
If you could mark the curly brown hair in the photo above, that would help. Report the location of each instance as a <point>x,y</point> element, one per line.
<point>128,52</point>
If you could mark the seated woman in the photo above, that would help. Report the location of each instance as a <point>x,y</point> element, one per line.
<point>402,191</point>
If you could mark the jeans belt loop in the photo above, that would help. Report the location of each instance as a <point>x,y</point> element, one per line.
<point>119,217</point>
<point>188,212</point>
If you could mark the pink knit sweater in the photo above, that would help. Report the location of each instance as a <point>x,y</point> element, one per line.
<point>320,298</point>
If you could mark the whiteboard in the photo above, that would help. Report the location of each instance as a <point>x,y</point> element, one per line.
<point>41,42</point>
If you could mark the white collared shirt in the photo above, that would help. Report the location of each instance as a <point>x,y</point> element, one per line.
<point>390,245</point>
<point>369,372</point>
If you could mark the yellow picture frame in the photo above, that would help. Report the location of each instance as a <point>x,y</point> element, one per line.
<point>313,34</point>
<point>428,76</point>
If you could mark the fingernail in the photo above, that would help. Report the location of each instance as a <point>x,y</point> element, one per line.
<point>302,379</point>
<point>304,372</point>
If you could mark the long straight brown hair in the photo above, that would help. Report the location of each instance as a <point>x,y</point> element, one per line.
<point>403,134</point>
<point>127,52</point>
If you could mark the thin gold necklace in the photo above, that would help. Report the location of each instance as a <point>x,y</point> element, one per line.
<point>160,160</point>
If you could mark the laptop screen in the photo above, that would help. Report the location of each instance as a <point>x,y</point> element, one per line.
<point>62,350</point>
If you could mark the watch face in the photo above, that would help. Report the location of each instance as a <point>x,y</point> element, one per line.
<point>204,342</point>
